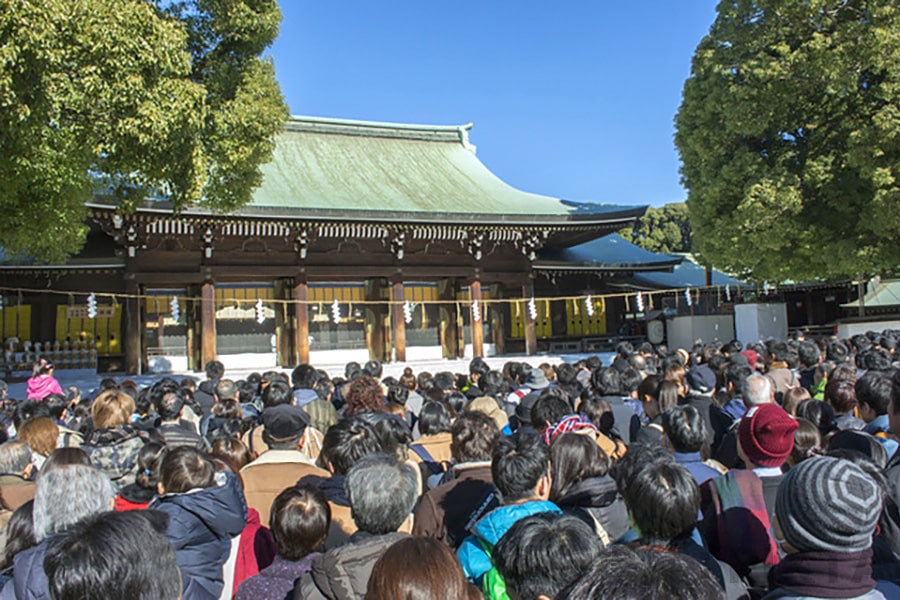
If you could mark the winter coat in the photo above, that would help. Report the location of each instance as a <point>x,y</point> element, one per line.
<point>29,580</point>
<point>202,523</point>
<point>41,386</point>
<point>342,526</point>
<point>181,433</point>
<point>256,551</point>
<point>205,396</point>
<point>277,581</point>
<point>472,556</point>
<point>322,414</point>
<point>134,497</point>
<point>446,512</point>
<point>597,501</point>
<point>115,452</point>
<point>343,573</point>
<point>272,472</point>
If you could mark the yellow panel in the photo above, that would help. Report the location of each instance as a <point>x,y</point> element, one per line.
<point>517,318</point>
<point>115,331</point>
<point>24,326</point>
<point>101,334</point>
<point>61,322</point>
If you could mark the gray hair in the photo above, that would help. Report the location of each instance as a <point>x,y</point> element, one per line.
<point>757,389</point>
<point>382,493</point>
<point>66,495</point>
<point>15,456</point>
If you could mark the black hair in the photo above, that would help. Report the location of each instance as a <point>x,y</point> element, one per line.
<point>663,500</point>
<point>150,458</point>
<point>299,520</point>
<point>347,441</point>
<point>397,394</point>
<point>819,413</point>
<point>28,410</point>
<point>625,574</point>
<point>185,468</point>
<point>434,418</point>
<point>214,370</point>
<point>543,553</point>
<point>373,368</point>
<point>736,374</point>
<point>304,377</point>
<point>56,405</point>
<point>574,458</point>
<point>456,401</point>
<point>276,394</point>
<point>549,409</point>
<point>493,383</point>
<point>808,353</point>
<point>874,389</point>
<point>518,466</point>
<point>638,457</point>
<point>593,362</point>
<point>630,379</point>
<point>170,405</point>
<point>19,533</point>
<point>477,366</point>
<point>444,380</point>
<point>114,555</point>
<point>473,437</point>
<point>685,428</point>
<point>607,382</point>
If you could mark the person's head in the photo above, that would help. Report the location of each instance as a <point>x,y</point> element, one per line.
<point>758,390</point>
<point>625,574</point>
<point>346,442</point>
<point>543,553</point>
<point>304,377</point>
<point>766,436</point>
<point>232,452</point>
<point>19,533</point>
<point>364,394</point>
<point>607,381</point>
<point>42,367</point>
<point>41,435</point>
<point>807,442</point>
<point>150,460</point>
<point>170,405</point>
<point>685,428</point>
<point>702,380</point>
<point>472,437</point>
<point>841,395</point>
<point>277,393</point>
<point>373,368</point>
<point>437,573</point>
<point>398,395</point>
<point>549,408</point>
<point>521,469</point>
<point>873,394</point>
<point>434,418</point>
<point>819,413</point>
<point>299,521</point>
<point>635,460</point>
<point>68,494</point>
<point>808,353</point>
<point>114,555</point>
<point>573,458</point>
<point>663,500</point>
<point>382,493</point>
<point>827,504</point>
<point>15,458</point>
<point>283,426</point>
<point>792,399</point>
<point>65,456</point>
<point>226,390</point>
<point>111,409</point>
<point>185,468</point>
<point>214,370</point>
<point>858,443</point>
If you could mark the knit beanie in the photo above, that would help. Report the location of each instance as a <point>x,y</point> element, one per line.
<point>766,434</point>
<point>828,504</point>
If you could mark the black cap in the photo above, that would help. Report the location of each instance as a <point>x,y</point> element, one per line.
<point>284,422</point>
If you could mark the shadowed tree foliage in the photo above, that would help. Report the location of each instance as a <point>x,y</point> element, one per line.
<point>133,96</point>
<point>665,229</point>
<point>789,135</point>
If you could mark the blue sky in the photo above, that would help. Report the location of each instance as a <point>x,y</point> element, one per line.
<point>572,99</point>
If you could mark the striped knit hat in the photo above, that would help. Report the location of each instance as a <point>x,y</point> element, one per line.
<point>829,504</point>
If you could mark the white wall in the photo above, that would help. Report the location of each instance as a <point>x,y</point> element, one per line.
<point>683,332</point>
<point>760,322</point>
<point>846,330</point>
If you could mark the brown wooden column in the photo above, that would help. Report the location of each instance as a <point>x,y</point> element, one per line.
<point>398,322</point>
<point>301,330</point>
<point>192,325</point>
<point>133,329</point>
<point>498,316</point>
<point>477,324</point>
<point>530,327</point>
<point>207,322</point>
<point>376,317</point>
<point>449,329</point>
<point>283,330</point>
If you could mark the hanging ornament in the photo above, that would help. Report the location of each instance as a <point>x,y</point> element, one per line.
<point>589,306</point>
<point>687,297</point>
<point>92,305</point>
<point>728,292</point>
<point>766,288</point>
<point>336,312</point>
<point>260,312</point>
<point>640,302</point>
<point>176,309</point>
<point>407,312</point>
<point>532,309</point>
<point>476,311</point>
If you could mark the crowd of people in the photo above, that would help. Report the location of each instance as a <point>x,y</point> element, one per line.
<point>721,471</point>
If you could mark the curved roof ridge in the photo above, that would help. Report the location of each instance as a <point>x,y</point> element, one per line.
<point>438,133</point>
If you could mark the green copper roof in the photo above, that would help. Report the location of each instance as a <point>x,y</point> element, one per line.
<point>407,172</point>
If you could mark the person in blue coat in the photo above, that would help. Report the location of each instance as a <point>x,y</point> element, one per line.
<point>206,510</point>
<point>521,472</point>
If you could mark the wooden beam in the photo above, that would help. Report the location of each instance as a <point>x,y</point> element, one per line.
<point>301,332</point>
<point>398,323</point>
<point>449,327</point>
<point>133,330</point>
<point>477,324</point>
<point>376,315</point>
<point>283,342</point>
<point>498,316</point>
<point>530,326</point>
<point>207,322</point>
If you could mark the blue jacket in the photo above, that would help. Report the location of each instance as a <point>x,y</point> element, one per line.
<point>29,580</point>
<point>692,461</point>
<point>475,561</point>
<point>202,524</point>
<point>882,424</point>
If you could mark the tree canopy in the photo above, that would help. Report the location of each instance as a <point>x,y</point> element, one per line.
<point>789,135</point>
<point>135,97</point>
<point>664,229</point>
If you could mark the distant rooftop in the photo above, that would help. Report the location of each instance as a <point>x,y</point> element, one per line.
<point>609,253</point>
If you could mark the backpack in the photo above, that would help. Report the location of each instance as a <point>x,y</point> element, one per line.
<point>493,586</point>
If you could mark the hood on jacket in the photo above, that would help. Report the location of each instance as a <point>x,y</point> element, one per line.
<point>332,487</point>
<point>221,508</point>
<point>492,527</point>
<point>591,492</point>
<point>302,397</point>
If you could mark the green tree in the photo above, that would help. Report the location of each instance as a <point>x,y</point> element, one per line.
<point>664,229</point>
<point>789,135</point>
<point>135,96</point>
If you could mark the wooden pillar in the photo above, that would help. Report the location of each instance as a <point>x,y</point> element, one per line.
<point>449,332</point>
<point>530,327</point>
<point>477,323</point>
<point>398,321</point>
<point>283,331</point>
<point>207,322</point>
<point>301,330</point>
<point>498,317</point>
<point>376,315</point>
<point>133,329</point>
<point>192,326</point>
